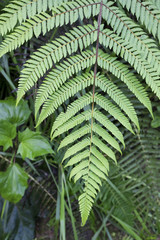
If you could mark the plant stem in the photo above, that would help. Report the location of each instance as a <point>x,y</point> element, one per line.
<point>95,74</point>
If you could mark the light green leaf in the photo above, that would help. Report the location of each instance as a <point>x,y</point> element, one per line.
<point>13,183</point>
<point>7,134</point>
<point>15,115</point>
<point>32,144</point>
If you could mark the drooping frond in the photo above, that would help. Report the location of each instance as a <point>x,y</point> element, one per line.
<point>82,67</point>
<point>102,119</point>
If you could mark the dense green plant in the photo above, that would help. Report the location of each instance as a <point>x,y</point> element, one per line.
<point>29,144</point>
<point>80,69</point>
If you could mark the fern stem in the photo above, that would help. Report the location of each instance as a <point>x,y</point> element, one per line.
<point>95,74</point>
<point>95,67</point>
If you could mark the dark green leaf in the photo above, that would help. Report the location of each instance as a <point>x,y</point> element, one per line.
<point>7,133</point>
<point>13,183</point>
<point>32,144</point>
<point>156,122</point>
<point>20,223</point>
<point>128,228</point>
<point>15,115</point>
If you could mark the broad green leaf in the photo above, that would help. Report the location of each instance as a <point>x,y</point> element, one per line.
<point>32,144</point>
<point>7,134</point>
<point>13,183</point>
<point>15,115</point>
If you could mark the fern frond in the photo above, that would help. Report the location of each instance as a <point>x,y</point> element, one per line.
<point>78,168</point>
<point>86,198</point>
<point>85,79</point>
<point>134,34</point>
<point>100,166</point>
<point>102,119</point>
<point>72,10</point>
<point>73,86</point>
<point>85,116</point>
<point>62,72</point>
<point>76,148</point>
<point>78,158</point>
<point>94,180</point>
<point>106,150</point>
<point>85,130</point>
<point>131,55</point>
<point>80,62</point>
<point>72,109</point>
<point>72,137</point>
<point>139,164</point>
<point>100,156</point>
<point>41,23</point>
<point>113,110</point>
<point>67,90</point>
<point>19,11</point>
<point>53,52</point>
<point>74,121</point>
<point>106,136</point>
<point>121,71</point>
<point>119,98</point>
<point>147,13</point>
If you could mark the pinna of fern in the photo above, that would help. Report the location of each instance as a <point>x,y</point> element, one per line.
<point>115,36</point>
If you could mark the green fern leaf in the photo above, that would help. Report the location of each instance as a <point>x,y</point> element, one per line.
<point>52,52</point>
<point>58,76</point>
<point>146,12</point>
<point>130,54</point>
